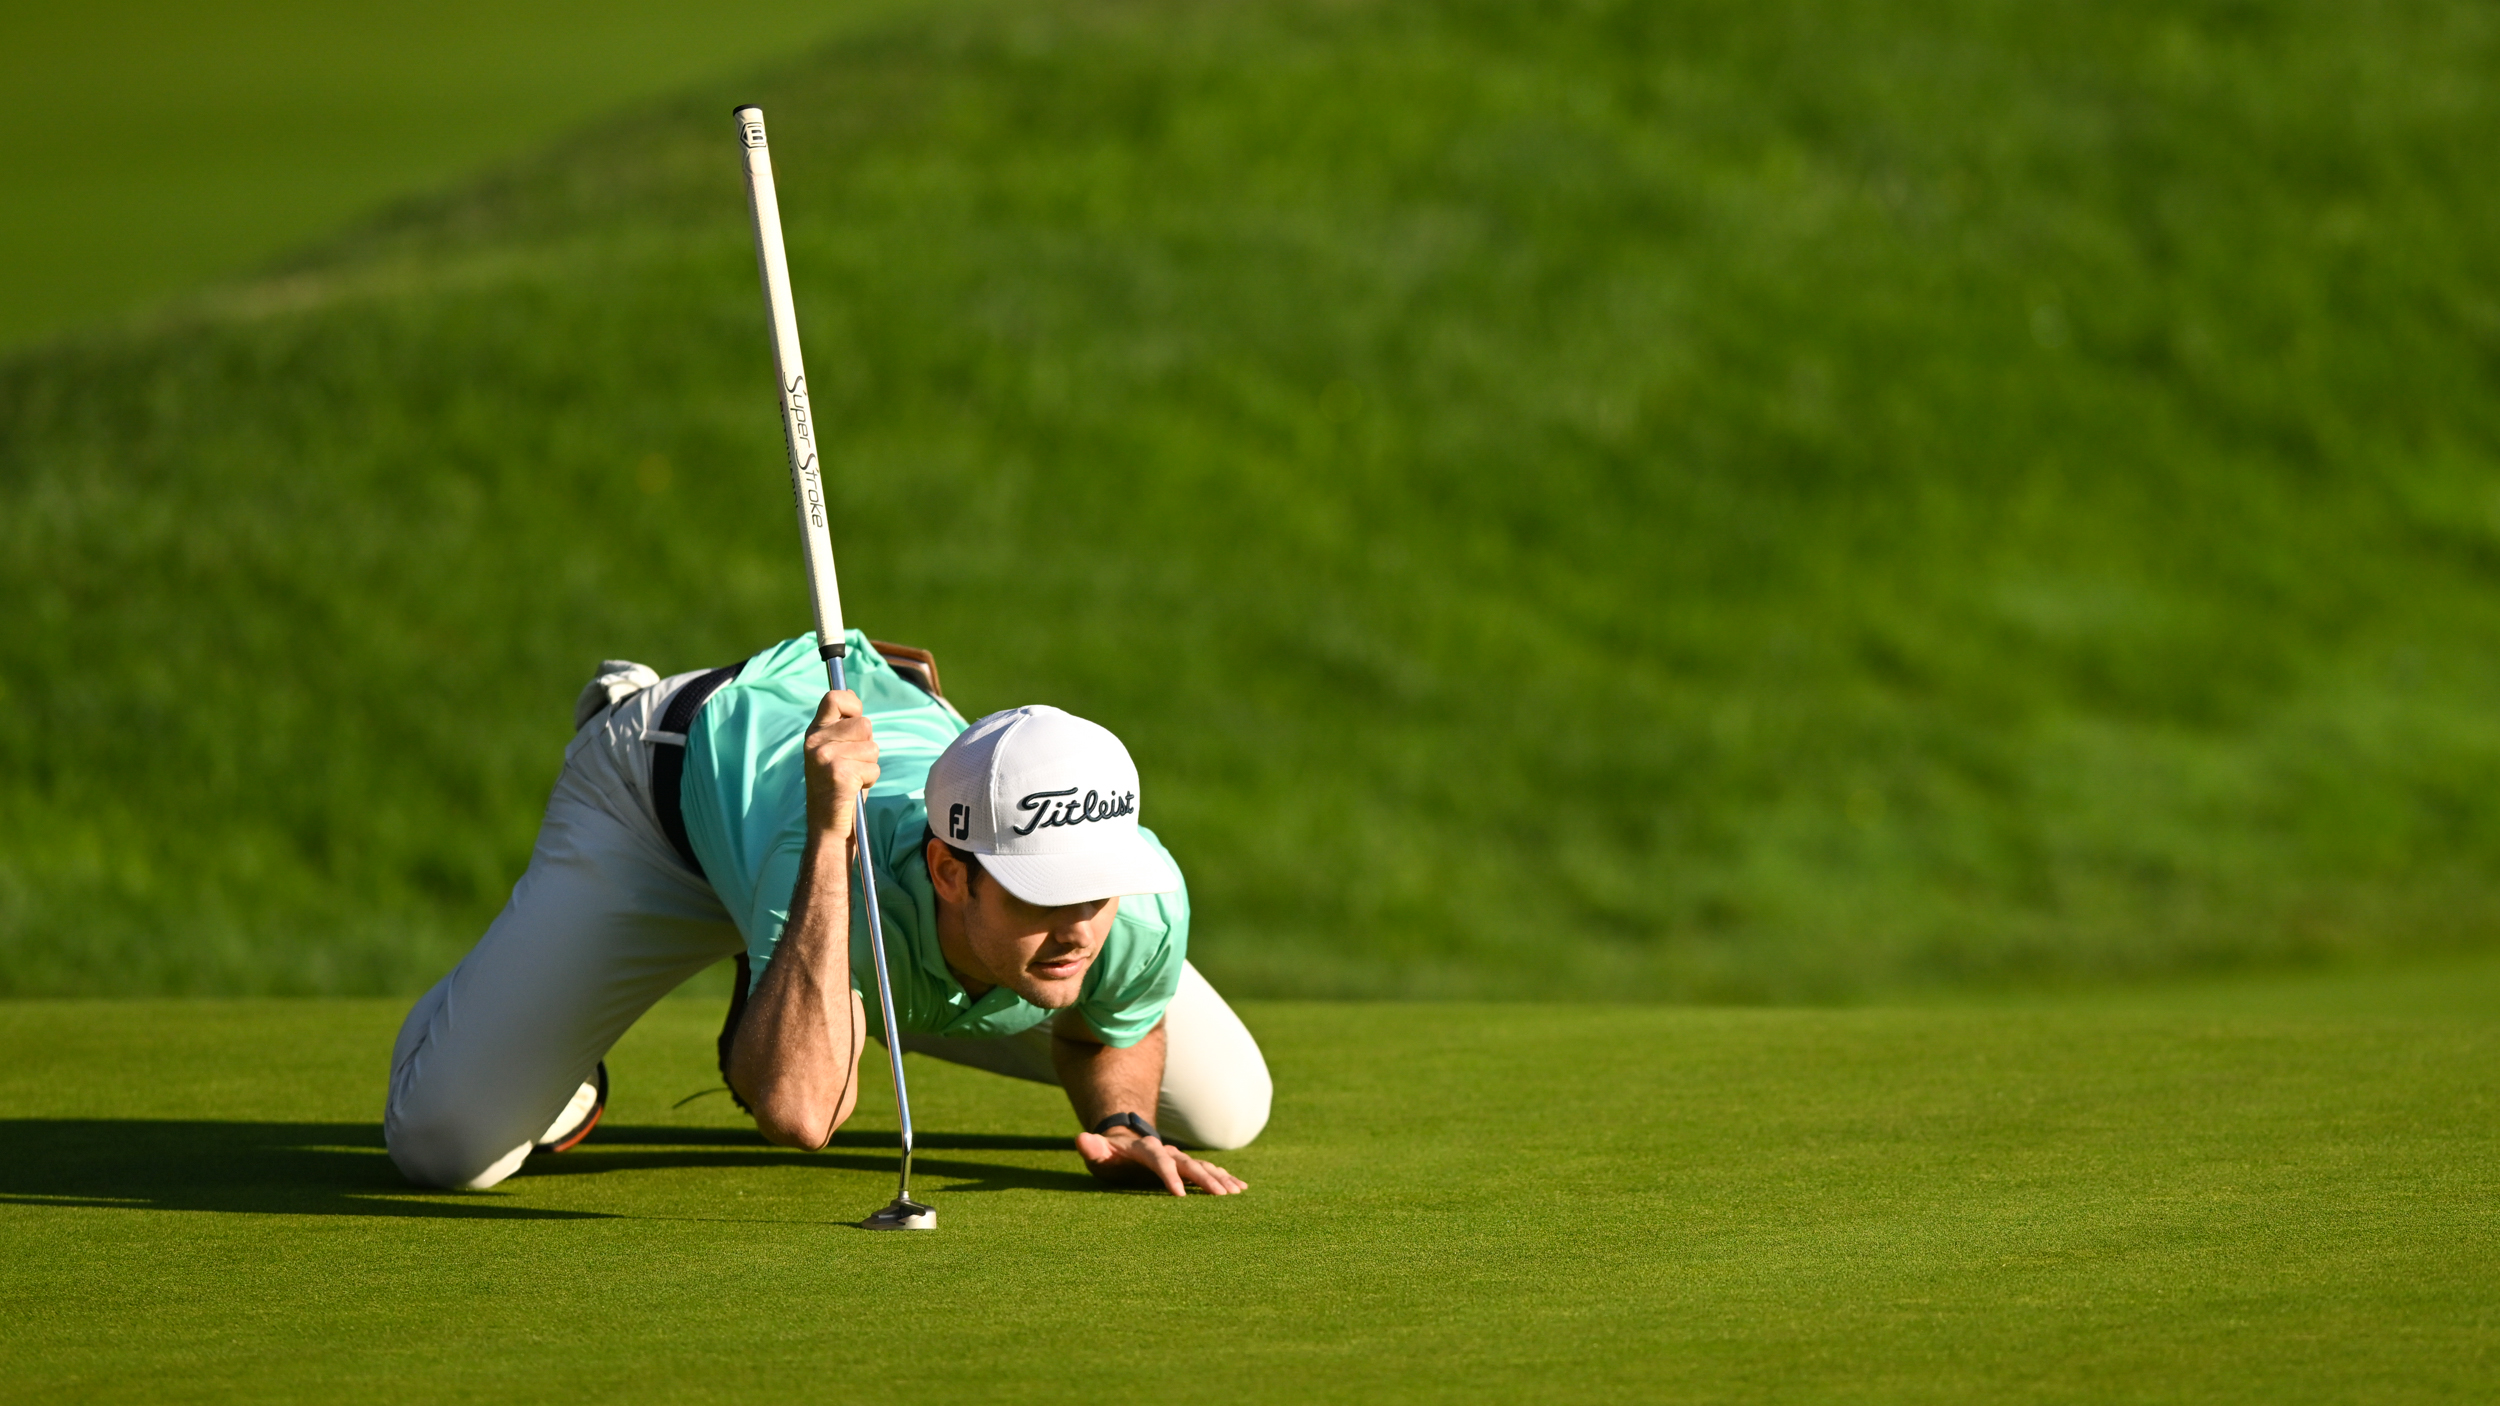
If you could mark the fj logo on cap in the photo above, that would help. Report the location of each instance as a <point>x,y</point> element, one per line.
<point>959,821</point>
<point>1050,810</point>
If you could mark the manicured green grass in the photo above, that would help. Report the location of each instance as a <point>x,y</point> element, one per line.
<point>1459,1202</point>
<point>2458,988</point>
<point>1738,502</point>
<point>147,147</point>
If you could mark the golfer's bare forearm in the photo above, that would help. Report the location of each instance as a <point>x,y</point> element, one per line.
<point>796,1056</point>
<point>1102,1080</point>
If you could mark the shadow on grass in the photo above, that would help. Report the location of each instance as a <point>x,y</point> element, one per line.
<point>610,1136</point>
<point>340,1169</point>
<point>299,1169</point>
<point>607,1150</point>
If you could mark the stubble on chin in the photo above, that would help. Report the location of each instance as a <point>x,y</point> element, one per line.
<point>1055,997</point>
<point>1055,993</point>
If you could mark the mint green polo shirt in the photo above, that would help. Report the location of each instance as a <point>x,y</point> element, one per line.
<point>745,801</point>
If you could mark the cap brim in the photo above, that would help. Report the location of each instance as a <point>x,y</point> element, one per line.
<point>1051,880</point>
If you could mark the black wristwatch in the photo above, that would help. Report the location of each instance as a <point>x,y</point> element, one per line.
<point>1131,1122</point>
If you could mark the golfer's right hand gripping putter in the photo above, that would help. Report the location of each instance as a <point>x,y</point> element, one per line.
<point>807,489</point>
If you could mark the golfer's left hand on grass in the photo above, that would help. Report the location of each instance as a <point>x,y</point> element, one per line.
<point>1129,1158</point>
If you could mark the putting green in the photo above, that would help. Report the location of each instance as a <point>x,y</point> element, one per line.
<point>1453,1202</point>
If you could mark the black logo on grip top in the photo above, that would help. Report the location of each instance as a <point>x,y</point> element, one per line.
<point>1053,808</point>
<point>753,132</point>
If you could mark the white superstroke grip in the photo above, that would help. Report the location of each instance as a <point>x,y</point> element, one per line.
<point>798,427</point>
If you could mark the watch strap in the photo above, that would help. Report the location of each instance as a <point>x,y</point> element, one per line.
<point>1131,1122</point>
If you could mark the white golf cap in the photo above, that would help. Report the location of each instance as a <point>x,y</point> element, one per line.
<point>1049,802</point>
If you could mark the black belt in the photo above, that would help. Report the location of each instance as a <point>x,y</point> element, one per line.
<point>668,759</point>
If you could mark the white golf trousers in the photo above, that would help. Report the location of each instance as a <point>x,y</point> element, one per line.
<point>606,921</point>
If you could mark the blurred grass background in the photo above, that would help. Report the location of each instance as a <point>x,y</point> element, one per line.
<point>146,146</point>
<point>1693,500</point>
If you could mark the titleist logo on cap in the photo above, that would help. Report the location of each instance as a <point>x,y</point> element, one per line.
<point>1051,811</point>
<point>1049,802</point>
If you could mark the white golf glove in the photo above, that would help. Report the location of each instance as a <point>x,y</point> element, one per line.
<point>619,679</point>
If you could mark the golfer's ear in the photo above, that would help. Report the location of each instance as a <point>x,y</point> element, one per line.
<point>946,872</point>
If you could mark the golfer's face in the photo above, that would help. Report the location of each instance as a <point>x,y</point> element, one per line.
<point>1041,954</point>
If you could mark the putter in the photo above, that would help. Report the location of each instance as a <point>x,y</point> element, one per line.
<point>808,490</point>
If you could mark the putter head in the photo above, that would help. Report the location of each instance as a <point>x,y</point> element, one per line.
<point>904,1214</point>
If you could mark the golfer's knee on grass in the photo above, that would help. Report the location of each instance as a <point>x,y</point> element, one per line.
<point>434,1135</point>
<point>439,1141</point>
<point>1222,1118</point>
<point>442,1152</point>
<point>1222,1131</point>
<point>1216,1089</point>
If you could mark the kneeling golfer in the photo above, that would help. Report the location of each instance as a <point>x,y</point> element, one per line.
<point>1034,929</point>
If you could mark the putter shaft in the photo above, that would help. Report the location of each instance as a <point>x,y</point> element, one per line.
<point>807,491</point>
<point>875,916</point>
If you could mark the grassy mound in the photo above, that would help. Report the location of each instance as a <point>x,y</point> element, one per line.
<point>1704,500</point>
<point>149,146</point>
